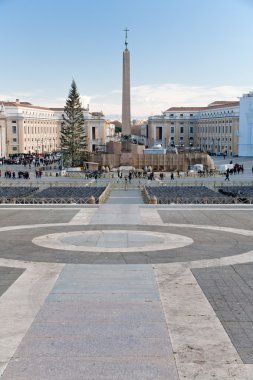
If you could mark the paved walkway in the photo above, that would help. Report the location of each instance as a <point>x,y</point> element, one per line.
<point>98,323</point>
<point>164,321</point>
<point>125,196</point>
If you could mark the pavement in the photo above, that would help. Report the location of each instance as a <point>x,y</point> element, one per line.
<point>126,290</point>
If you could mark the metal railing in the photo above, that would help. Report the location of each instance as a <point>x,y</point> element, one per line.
<point>199,200</point>
<point>41,201</point>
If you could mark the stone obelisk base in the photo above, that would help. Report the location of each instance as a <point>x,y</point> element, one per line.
<point>126,159</point>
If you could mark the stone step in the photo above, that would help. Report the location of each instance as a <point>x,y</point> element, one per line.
<point>125,196</point>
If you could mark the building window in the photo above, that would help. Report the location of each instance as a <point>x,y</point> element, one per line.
<point>14,121</point>
<point>171,129</point>
<point>181,129</point>
<point>191,129</point>
<point>14,129</point>
<point>93,133</point>
<point>14,139</point>
<point>159,133</point>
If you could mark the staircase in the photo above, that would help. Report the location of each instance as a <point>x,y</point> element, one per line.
<point>125,196</point>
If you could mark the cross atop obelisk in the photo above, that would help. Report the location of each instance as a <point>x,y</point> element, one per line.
<point>126,30</point>
<point>126,113</point>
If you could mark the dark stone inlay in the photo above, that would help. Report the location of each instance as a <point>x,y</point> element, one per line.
<point>8,276</point>
<point>229,290</point>
<point>14,217</point>
<point>225,218</point>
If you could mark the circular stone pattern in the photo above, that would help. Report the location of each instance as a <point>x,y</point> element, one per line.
<point>112,241</point>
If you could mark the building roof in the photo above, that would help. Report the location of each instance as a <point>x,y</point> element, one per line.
<point>214,105</point>
<point>185,109</point>
<point>23,105</point>
<point>220,102</point>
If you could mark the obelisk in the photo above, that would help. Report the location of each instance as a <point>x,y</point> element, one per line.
<point>126,112</point>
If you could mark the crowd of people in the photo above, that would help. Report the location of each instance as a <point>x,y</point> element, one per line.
<point>8,174</point>
<point>28,162</point>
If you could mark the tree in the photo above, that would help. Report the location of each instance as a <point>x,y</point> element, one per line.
<point>73,136</point>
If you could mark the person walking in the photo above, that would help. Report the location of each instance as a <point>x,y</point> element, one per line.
<point>227,176</point>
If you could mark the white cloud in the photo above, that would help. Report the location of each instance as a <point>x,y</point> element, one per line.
<point>147,99</point>
<point>150,99</point>
<point>85,100</point>
<point>153,99</point>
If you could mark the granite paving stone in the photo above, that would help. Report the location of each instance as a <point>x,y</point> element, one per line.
<point>207,244</point>
<point>94,346</point>
<point>231,295</point>
<point>75,368</point>
<point>104,329</point>
<point>61,297</point>
<point>106,321</point>
<point>14,217</point>
<point>110,323</point>
<point>8,276</point>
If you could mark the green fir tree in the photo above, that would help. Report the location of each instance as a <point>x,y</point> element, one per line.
<point>73,136</point>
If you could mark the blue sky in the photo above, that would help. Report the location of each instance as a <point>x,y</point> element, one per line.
<point>183,52</point>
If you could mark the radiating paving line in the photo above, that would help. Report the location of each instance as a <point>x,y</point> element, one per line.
<point>98,322</point>
<point>201,346</point>
<point>83,216</point>
<point>21,302</point>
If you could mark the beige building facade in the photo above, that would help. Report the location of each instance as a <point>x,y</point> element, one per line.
<point>29,128</point>
<point>214,128</point>
<point>26,128</point>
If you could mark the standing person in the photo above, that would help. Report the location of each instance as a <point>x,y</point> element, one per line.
<point>227,176</point>
<point>172,176</point>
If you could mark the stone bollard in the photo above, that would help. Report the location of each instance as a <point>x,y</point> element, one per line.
<point>153,200</point>
<point>92,200</point>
